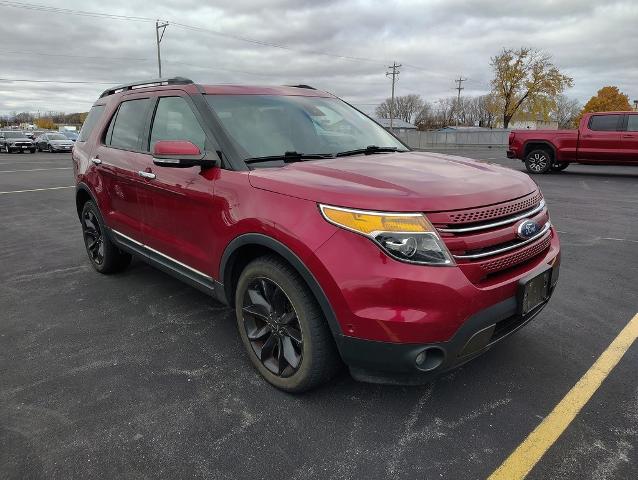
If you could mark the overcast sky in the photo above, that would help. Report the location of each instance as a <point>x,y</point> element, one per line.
<point>436,41</point>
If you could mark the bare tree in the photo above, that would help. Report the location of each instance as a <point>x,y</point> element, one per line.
<point>406,107</point>
<point>567,111</point>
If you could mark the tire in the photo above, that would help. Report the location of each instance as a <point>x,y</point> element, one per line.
<point>559,167</point>
<point>301,353</point>
<point>538,161</point>
<point>32,150</point>
<point>103,254</point>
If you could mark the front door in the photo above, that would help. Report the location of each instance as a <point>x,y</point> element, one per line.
<point>630,139</point>
<point>179,203</point>
<point>600,139</point>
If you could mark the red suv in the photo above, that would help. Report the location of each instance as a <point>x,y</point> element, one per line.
<point>332,240</point>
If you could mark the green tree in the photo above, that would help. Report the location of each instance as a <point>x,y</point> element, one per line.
<point>526,78</point>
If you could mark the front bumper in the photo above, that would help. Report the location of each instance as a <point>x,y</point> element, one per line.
<point>62,148</point>
<point>395,363</point>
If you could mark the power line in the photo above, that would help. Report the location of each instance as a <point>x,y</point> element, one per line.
<point>68,11</point>
<point>55,81</point>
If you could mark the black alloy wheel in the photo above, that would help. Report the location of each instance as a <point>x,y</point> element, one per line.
<point>272,327</point>
<point>93,237</point>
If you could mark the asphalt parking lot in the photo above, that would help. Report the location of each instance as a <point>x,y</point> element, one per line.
<point>140,376</point>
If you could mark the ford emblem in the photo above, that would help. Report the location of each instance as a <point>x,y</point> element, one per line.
<point>527,229</point>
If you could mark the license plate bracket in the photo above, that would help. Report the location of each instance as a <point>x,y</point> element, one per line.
<point>534,291</point>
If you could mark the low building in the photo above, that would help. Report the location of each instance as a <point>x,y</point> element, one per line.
<point>398,125</point>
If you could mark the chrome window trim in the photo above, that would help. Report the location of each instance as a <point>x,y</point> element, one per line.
<point>506,221</point>
<point>545,229</point>
<point>208,277</point>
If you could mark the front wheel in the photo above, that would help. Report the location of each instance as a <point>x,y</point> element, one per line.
<point>282,327</point>
<point>538,161</point>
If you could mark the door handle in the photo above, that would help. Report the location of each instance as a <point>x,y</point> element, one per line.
<point>148,175</point>
<point>96,160</point>
<point>627,136</point>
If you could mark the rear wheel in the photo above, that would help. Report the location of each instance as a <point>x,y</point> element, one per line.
<point>103,254</point>
<point>282,327</point>
<point>538,161</point>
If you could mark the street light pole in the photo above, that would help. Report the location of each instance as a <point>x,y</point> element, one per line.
<point>159,25</point>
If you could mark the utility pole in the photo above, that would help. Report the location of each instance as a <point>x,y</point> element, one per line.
<point>159,25</point>
<point>395,75</point>
<point>460,81</point>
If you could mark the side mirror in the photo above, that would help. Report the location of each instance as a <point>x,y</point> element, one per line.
<point>180,154</point>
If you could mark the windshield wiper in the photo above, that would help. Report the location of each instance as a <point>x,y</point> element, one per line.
<point>289,157</point>
<point>369,150</point>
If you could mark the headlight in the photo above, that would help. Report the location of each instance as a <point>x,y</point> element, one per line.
<point>408,237</point>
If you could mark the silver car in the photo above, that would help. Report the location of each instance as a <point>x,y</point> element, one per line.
<point>53,142</point>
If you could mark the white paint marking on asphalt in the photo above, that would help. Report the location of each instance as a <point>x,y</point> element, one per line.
<point>36,190</point>
<point>620,239</point>
<point>36,170</point>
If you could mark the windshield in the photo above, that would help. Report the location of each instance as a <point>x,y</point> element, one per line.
<point>71,135</point>
<point>270,125</point>
<point>14,135</point>
<point>57,136</point>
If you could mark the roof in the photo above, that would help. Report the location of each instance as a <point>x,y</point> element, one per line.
<point>396,123</point>
<point>191,87</point>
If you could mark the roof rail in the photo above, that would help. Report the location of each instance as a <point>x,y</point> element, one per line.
<point>147,83</point>
<point>302,86</point>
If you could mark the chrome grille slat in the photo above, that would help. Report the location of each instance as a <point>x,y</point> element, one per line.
<point>499,223</point>
<point>500,250</point>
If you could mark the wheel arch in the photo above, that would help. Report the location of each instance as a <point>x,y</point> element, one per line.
<point>531,145</point>
<point>82,195</point>
<point>249,246</point>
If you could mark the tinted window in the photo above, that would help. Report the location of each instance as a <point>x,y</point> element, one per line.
<point>606,123</point>
<point>632,123</point>
<point>128,124</point>
<point>174,120</point>
<point>91,119</point>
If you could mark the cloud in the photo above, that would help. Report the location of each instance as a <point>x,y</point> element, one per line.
<point>435,41</point>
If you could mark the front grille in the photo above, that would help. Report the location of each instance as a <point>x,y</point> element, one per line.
<point>489,213</point>
<point>486,242</point>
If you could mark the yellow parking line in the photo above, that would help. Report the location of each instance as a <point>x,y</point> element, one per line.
<point>528,453</point>
<point>35,190</point>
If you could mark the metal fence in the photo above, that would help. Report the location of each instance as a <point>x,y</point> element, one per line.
<point>451,139</point>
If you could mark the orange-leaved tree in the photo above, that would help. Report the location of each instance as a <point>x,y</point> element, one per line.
<point>608,99</point>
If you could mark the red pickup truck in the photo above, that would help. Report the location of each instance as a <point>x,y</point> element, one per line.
<point>602,138</point>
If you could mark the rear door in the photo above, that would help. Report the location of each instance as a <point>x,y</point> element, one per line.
<point>120,160</point>
<point>179,209</point>
<point>630,138</point>
<point>600,138</point>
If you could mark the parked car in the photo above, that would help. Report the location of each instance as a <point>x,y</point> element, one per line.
<point>605,138</point>
<point>332,240</point>
<point>15,141</point>
<point>53,142</point>
<point>29,135</point>
<point>70,135</point>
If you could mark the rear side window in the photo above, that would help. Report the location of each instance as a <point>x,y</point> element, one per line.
<point>632,123</point>
<point>174,120</point>
<point>605,123</point>
<point>127,126</point>
<point>90,122</point>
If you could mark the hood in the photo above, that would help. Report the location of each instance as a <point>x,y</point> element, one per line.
<point>411,181</point>
<point>61,142</point>
<point>19,140</point>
